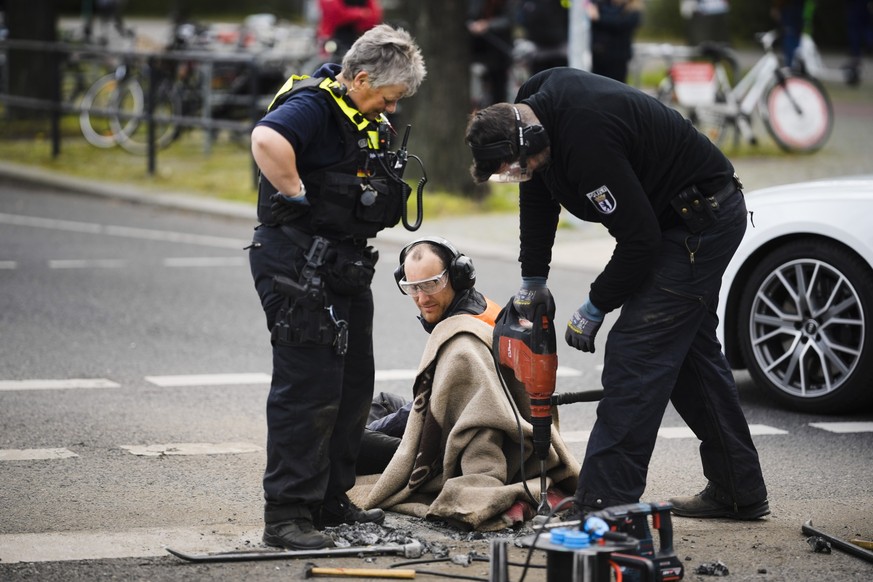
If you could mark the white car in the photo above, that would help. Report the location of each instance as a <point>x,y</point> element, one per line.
<point>796,306</point>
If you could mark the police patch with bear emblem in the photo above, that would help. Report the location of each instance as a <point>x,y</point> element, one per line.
<point>603,200</point>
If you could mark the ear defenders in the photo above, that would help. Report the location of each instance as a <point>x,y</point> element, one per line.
<point>532,139</point>
<point>462,273</point>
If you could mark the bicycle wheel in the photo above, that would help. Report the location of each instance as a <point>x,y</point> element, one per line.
<point>132,132</point>
<point>98,107</point>
<point>797,113</point>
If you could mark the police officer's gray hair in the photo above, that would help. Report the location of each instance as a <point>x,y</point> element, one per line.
<point>390,57</point>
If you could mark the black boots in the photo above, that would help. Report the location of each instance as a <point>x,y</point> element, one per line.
<point>341,510</point>
<point>707,504</point>
<point>296,534</point>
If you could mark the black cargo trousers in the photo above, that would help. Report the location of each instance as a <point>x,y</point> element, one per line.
<point>319,400</point>
<point>664,348</point>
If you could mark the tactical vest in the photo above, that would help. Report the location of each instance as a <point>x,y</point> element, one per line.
<point>360,195</point>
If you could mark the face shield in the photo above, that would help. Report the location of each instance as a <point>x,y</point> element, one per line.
<point>512,174</point>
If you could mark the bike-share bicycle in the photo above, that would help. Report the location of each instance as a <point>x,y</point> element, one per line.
<point>794,108</point>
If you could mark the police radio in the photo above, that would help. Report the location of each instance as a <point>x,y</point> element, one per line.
<point>394,164</point>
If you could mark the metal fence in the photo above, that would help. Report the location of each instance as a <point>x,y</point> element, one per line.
<point>150,69</point>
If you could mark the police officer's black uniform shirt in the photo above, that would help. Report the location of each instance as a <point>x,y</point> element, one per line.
<point>309,125</point>
<point>618,157</point>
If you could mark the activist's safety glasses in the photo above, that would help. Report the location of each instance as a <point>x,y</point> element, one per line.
<point>427,286</point>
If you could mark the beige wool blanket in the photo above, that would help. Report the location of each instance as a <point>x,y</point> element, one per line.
<point>460,459</point>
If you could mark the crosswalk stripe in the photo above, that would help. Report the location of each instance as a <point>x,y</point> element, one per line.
<point>35,454</point>
<point>131,543</point>
<point>674,432</point>
<point>843,427</point>
<point>189,449</point>
<point>86,263</point>
<point>8,264</point>
<point>209,379</point>
<point>57,384</point>
<point>123,231</point>
<point>206,261</point>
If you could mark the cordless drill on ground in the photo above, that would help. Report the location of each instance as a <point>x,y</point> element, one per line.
<point>646,563</point>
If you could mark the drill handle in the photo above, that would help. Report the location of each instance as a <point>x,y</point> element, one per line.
<point>572,397</point>
<point>662,522</point>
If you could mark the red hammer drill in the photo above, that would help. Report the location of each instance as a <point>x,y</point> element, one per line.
<point>529,349</point>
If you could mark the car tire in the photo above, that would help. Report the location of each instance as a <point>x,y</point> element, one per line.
<point>812,350</point>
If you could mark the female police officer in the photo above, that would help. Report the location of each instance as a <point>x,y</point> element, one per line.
<point>325,188</point>
<point>608,153</point>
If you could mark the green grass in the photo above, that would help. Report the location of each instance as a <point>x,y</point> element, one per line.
<point>222,170</point>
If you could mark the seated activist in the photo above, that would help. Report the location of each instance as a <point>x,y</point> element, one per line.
<point>453,453</point>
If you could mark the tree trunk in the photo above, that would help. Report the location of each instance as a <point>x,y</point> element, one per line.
<point>32,73</point>
<point>439,111</point>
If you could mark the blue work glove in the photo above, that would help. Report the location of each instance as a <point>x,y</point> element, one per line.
<point>532,295</point>
<point>285,208</point>
<point>583,327</point>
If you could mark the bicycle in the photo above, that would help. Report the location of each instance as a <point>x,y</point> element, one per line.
<point>794,108</point>
<point>113,110</point>
<point>113,107</point>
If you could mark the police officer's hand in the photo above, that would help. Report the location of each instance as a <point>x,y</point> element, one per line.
<point>583,327</point>
<point>533,296</point>
<point>286,208</point>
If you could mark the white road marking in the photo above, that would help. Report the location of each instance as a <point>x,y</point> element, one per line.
<point>132,543</point>
<point>206,262</point>
<point>57,384</point>
<point>843,427</point>
<point>87,263</point>
<point>209,379</point>
<point>674,432</point>
<point>123,231</point>
<point>188,449</point>
<point>764,430</point>
<point>8,264</point>
<point>35,454</point>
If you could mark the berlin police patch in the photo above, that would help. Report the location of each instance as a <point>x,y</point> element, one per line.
<point>603,200</point>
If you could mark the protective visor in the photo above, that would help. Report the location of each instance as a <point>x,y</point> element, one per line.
<point>513,174</point>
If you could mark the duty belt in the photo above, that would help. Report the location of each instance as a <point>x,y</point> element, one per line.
<point>725,192</point>
<point>304,241</point>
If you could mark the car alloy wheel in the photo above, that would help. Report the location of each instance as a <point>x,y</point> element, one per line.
<point>805,326</point>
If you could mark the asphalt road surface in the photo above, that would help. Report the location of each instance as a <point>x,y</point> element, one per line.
<point>134,368</point>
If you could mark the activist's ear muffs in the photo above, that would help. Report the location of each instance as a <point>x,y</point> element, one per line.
<point>462,273</point>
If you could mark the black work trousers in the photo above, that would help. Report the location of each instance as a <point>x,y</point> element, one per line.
<point>664,348</point>
<point>319,400</point>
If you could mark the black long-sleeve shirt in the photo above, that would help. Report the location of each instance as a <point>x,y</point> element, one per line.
<point>618,156</point>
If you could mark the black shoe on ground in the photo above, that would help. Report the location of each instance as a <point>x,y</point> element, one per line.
<point>705,504</point>
<point>296,534</point>
<point>342,511</point>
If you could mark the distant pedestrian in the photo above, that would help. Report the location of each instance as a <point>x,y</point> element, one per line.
<point>859,29</point>
<point>342,22</point>
<point>792,16</point>
<point>613,24</point>
<point>708,20</point>
<point>490,24</point>
<point>546,23</point>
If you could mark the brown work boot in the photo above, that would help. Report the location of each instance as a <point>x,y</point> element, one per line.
<point>342,510</point>
<point>706,504</point>
<point>296,534</point>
